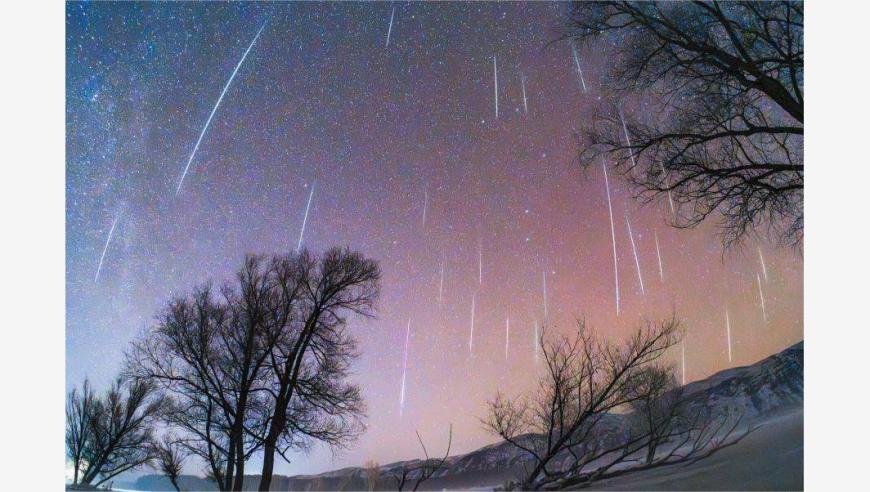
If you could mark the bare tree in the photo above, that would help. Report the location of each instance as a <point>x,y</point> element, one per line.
<point>416,472</point>
<point>209,352</point>
<point>721,91</point>
<point>311,351</point>
<point>170,456</point>
<point>121,430</point>
<point>657,408</point>
<point>585,379</point>
<point>80,413</point>
<point>264,364</point>
<point>569,430</point>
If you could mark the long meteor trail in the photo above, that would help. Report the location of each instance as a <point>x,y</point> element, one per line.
<point>495,76</point>
<point>683,357</point>
<point>535,345</point>
<point>668,186</point>
<point>634,250</point>
<point>577,64</point>
<point>404,369</point>
<point>525,101</point>
<point>425,205</point>
<point>305,219</point>
<point>544,278</point>
<point>390,29</point>
<point>659,256</point>
<point>627,140</point>
<point>763,266</point>
<point>728,332</point>
<point>214,110</point>
<point>612,237</point>
<point>761,296</point>
<point>105,248</point>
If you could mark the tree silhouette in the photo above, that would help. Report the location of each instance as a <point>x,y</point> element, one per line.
<point>111,434</point>
<point>717,119</point>
<point>262,365</point>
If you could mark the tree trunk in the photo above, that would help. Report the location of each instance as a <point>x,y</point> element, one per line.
<point>240,465</point>
<point>228,476</point>
<point>269,446</point>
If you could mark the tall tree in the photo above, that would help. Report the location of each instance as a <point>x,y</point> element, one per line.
<point>704,105</point>
<point>208,353</point>
<point>312,351</point>
<point>264,364</point>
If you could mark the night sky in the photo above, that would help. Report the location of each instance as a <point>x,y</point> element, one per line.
<point>380,131</point>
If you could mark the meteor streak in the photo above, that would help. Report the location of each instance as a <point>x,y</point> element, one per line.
<point>525,101</point>
<point>390,29</point>
<point>305,219</point>
<point>425,204</point>
<point>105,248</point>
<point>495,76</point>
<point>634,250</point>
<point>471,333</point>
<point>683,356</point>
<point>728,332</point>
<point>761,296</point>
<point>577,64</point>
<point>659,256</point>
<point>612,237</point>
<point>668,185</point>
<point>627,140</point>
<point>404,369</point>
<point>536,342</point>
<point>544,277</point>
<point>214,110</point>
<point>763,266</point>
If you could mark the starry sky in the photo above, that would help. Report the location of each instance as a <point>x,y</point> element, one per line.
<point>381,132</point>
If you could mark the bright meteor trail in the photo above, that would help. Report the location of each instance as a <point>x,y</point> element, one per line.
<point>634,250</point>
<point>577,64</point>
<point>404,369</point>
<point>525,101</point>
<point>761,296</point>
<point>544,277</point>
<point>214,109</point>
<point>763,266</point>
<point>105,248</point>
<point>612,237</point>
<point>495,76</point>
<point>668,186</point>
<point>390,29</point>
<point>305,219</point>
<point>659,256</point>
<point>728,332</point>
<point>425,205</point>
<point>627,140</point>
<point>683,359</point>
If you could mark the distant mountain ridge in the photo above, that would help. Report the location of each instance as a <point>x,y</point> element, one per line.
<point>760,390</point>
